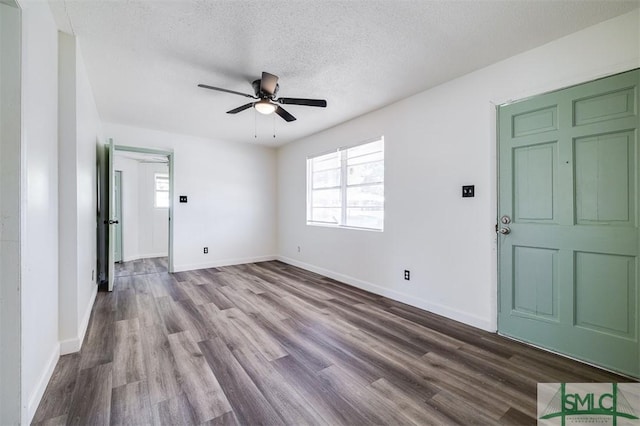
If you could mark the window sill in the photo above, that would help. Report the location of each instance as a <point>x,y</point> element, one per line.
<point>336,226</point>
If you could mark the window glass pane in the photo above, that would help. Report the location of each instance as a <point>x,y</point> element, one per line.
<point>327,161</point>
<point>365,173</point>
<point>326,178</point>
<point>362,192</point>
<point>162,182</point>
<point>368,148</point>
<point>326,215</point>
<point>326,198</point>
<point>376,156</point>
<point>365,196</point>
<point>365,217</point>
<point>162,199</point>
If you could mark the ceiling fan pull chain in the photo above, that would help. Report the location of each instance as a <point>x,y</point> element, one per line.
<point>255,126</point>
<point>274,126</point>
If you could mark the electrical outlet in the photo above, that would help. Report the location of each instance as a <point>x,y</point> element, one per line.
<point>407,275</point>
<point>468,191</point>
<point>206,250</point>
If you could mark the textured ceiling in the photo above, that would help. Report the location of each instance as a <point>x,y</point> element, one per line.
<point>145,58</point>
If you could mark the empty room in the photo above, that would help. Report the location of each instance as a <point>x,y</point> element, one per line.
<point>319,212</point>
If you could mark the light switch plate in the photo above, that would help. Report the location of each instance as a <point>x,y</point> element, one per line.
<point>468,191</point>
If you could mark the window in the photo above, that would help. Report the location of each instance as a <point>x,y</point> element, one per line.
<point>346,188</point>
<point>161,190</point>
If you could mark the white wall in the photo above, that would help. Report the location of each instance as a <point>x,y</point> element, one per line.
<point>153,223</point>
<point>88,136</point>
<point>145,229</point>
<point>130,215</point>
<point>79,135</point>
<point>232,196</point>
<point>39,200</point>
<point>10,168</point>
<point>436,142</point>
<point>68,218</point>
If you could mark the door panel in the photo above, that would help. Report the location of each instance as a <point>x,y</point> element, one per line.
<point>535,282</point>
<point>535,174</point>
<point>616,315</point>
<point>118,216</point>
<point>605,190</point>
<point>569,184</point>
<point>537,121</point>
<point>111,208</point>
<point>608,106</point>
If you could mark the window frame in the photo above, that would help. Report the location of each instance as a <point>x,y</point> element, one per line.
<point>165,176</point>
<point>342,153</point>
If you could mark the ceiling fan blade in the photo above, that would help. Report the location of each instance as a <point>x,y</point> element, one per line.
<point>240,108</point>
<point>284,114</point>
<point>299,101</point>
<point>268,83</point>
<point>219,89</point>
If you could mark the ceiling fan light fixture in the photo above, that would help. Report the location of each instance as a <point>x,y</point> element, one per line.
<point>265,107</point>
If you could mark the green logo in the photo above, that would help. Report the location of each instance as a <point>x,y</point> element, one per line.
<point>592,402</point>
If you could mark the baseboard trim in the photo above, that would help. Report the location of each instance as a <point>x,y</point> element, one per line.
<point>73,345</point>
<point>435,308</point>
<point>222,262</point>
<point>43,381</point>
<point>69,346</point>
<point>144,256</point>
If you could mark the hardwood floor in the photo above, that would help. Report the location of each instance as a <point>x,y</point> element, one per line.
<point>272,344</point>
<point>141,267</point>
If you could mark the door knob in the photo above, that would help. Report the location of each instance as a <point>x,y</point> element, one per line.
<point>505,230</point>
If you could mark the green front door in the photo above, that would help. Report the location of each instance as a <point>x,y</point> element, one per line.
<point>568,268</point>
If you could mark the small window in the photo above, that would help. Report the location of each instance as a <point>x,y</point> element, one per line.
<point>161,190</point>
<point>346,188</point>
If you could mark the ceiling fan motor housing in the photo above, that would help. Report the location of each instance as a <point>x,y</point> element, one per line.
<point>259,93</point>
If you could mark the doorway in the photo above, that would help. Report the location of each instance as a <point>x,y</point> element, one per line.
<point>568,205</point>
<point>106,160</point>
<point>141,211</point>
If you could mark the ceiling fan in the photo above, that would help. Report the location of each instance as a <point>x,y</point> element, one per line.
<point>265,90</point>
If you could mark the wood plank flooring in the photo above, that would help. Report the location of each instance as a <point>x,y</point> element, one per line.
<point>271,344</point>
<point>141,267</point>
